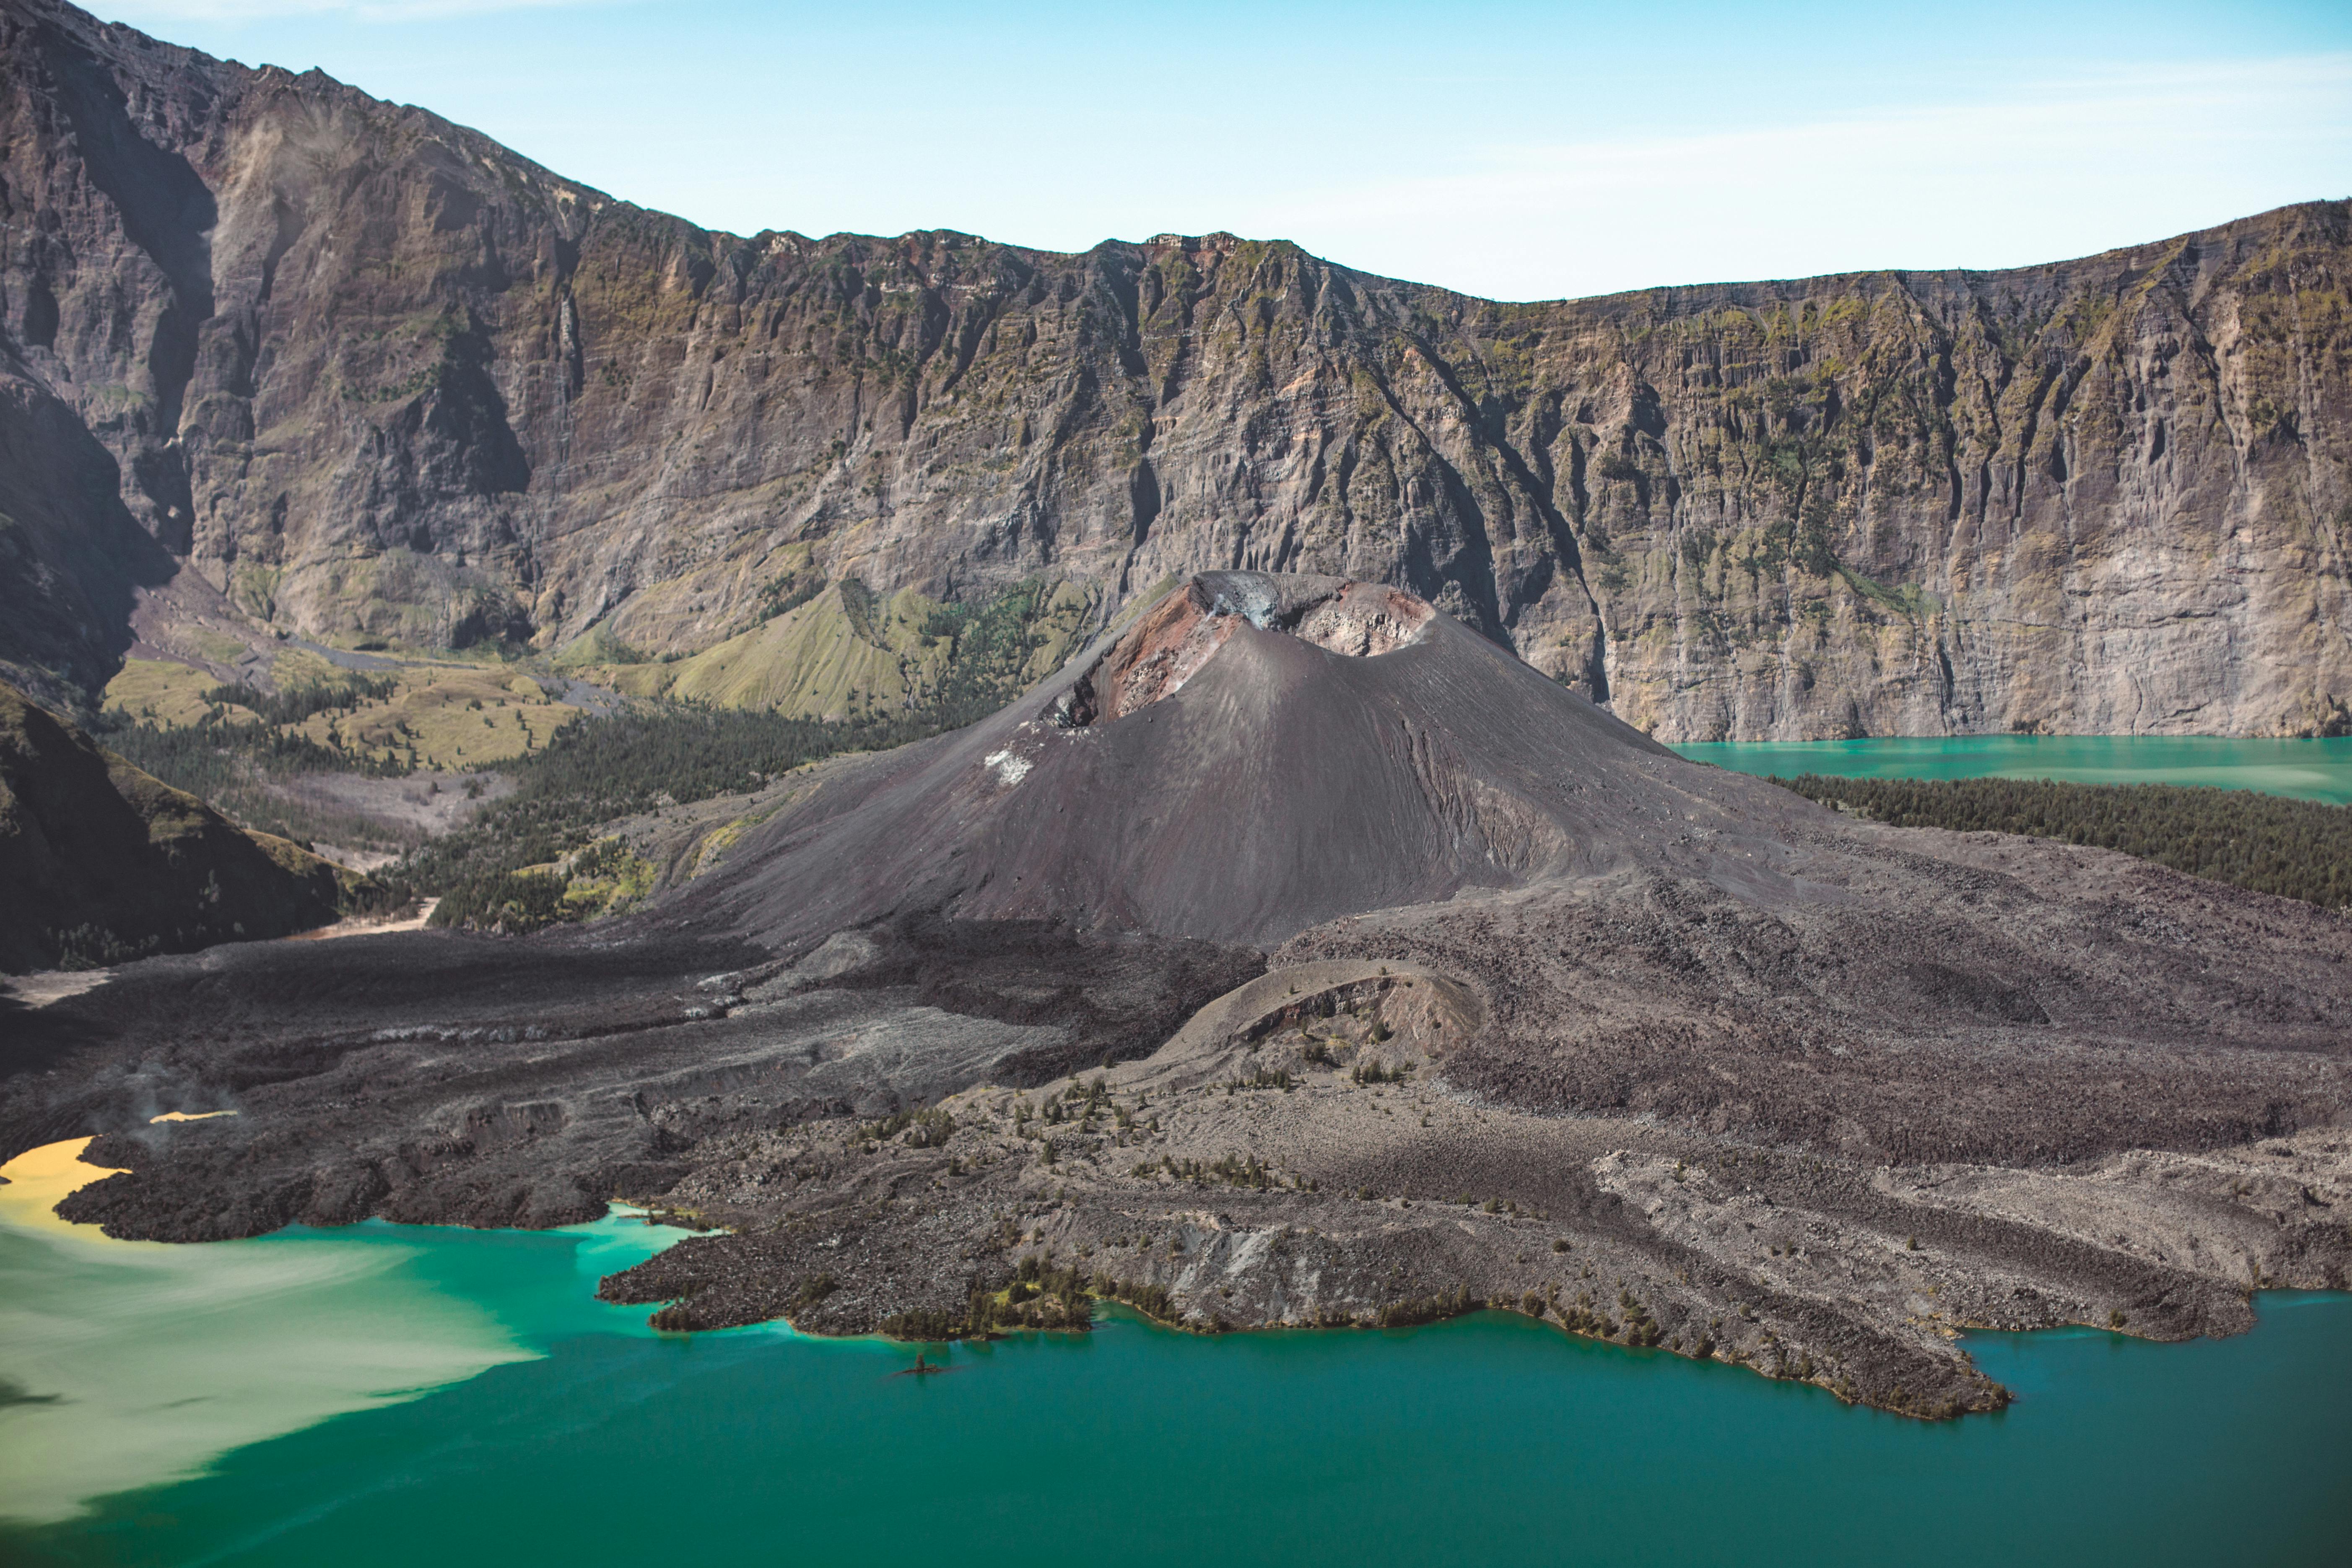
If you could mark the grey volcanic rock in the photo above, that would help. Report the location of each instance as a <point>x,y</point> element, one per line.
<point>1217,771</point>
<point>368,372</point>
<point>1298,956</point>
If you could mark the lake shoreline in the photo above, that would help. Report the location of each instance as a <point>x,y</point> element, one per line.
<point>1622,1460</point>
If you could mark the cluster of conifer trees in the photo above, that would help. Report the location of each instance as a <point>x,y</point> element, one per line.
<point>1042,1294</point>
<point>295,704</point>
<point>2294,848</point>
<point>231,764</point>
<point>649,756</point>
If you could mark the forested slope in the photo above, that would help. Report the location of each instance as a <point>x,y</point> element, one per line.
<point>2296,848</point>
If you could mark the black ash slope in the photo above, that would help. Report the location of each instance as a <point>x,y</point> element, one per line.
<point>1256,756</point>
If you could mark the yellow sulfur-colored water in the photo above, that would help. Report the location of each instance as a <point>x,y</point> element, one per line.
<point>38,1180</point>
<point>124,1364</point>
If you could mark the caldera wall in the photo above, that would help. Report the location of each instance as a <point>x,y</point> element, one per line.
<point>371,374</point>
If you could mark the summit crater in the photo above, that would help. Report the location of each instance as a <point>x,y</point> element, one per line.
<point>1184,631</point>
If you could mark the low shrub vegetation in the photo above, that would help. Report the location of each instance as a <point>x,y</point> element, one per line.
<point>2294,848</point>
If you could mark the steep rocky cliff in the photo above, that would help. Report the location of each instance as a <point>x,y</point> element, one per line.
<point>100,862</point>
<point>370,375</point>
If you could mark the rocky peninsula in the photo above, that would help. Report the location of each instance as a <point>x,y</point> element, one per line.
<point>1298,955</point>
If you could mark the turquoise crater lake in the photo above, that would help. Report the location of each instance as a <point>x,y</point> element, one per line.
<point>1487,1439</point>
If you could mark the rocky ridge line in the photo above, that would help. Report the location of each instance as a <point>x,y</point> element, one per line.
<point>368,374</point>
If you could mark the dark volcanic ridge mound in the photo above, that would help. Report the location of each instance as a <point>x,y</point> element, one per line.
<point>1300,956</point>
<point>1256,755</point>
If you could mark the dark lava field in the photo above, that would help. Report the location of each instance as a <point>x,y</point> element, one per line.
<point>1300,956</point>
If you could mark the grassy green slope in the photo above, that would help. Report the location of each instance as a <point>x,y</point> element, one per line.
<point>840,672</point>
<point>847,655</point>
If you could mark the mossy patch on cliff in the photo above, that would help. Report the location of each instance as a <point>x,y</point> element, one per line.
<point>847,655</point>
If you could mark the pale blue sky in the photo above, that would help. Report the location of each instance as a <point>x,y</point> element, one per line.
<point>1515,149</point>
